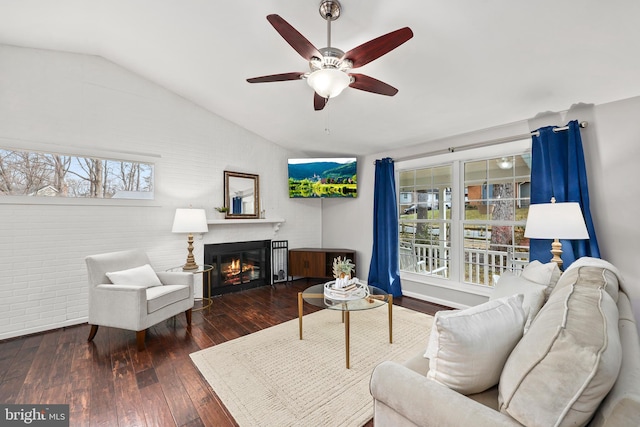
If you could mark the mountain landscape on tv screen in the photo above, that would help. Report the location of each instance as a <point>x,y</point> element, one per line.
<point>322,179</point>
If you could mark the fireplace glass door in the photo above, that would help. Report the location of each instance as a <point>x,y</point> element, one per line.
<point>239,266</point>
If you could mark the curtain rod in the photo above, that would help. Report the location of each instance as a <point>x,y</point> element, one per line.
<point>482,144</point>
<point>582,125</point>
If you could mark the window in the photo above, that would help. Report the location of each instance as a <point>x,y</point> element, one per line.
<point>425,221</point>
<point>464,221</point>
<point>27,173</point>
<point>495,216</point>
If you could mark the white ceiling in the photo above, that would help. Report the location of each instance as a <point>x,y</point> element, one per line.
<point>472,64</point>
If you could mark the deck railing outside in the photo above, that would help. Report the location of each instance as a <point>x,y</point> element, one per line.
<point>481,267</point>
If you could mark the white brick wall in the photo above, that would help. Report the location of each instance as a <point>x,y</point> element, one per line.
<point>86,105</point>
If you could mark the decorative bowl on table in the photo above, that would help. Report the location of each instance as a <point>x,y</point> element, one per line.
<point>352,291</point>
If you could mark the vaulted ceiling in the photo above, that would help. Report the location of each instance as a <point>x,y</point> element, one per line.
<point>472,64</point>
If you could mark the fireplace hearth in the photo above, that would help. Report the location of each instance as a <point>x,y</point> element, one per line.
<point>237,266</point>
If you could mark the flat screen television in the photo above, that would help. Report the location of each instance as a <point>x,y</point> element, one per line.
<point>323,177</point>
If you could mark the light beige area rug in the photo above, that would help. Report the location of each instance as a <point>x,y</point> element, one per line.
<point>272,378</point>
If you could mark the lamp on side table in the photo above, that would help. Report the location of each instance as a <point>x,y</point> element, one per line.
<point>556,221</point>
<point>190,221</point>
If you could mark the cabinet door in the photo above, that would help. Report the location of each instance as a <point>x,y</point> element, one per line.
<point>297,263</point>
<point>316,264</point>
<point>307,263</point>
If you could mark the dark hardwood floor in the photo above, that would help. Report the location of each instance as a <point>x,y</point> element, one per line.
<point>109,383</point>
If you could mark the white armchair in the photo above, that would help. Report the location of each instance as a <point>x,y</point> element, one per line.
<point>135,299</point>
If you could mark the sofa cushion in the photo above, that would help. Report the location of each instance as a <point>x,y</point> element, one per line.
<point>569,359</point>
<point>604,273</point>
<point>534,294</point>
<point>143,277</point>
<point>468,348</point>
<point>543,274</point>
<point>162,296</point>
<point>621,407</point>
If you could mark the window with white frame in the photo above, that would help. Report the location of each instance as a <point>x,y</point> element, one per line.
<point>495,216</point>
<point>31,173</point>
<point>424,224</point>
<point>464,221</point>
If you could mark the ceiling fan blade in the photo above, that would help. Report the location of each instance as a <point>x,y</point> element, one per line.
<point>319,102</point>
<point>372,85</point>
<point>294,38</point>
<point>276,78</point>
<point>374,49</point>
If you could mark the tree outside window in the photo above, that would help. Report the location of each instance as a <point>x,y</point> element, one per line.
<point>26,173</point>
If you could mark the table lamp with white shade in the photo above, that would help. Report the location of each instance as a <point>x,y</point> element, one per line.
<point>556,221</point>
<point>190,221</point>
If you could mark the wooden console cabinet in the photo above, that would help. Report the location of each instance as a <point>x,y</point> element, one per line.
<point>316,262</point>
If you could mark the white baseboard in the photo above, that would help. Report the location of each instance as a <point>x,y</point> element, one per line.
<point>427,298</point>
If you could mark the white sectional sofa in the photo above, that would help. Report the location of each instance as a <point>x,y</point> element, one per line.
<point>577,364</point>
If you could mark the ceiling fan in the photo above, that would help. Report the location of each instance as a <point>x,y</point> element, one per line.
<point>330,66</point>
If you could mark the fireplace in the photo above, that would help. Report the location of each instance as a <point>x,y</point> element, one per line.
<point>237,266</point>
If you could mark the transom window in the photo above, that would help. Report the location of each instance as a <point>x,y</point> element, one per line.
<point>464,221</point>
<point>29,173</point>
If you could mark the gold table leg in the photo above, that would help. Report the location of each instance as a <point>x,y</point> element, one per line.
<point>346,334</point>
<point>209,288</point>
<point>300,302</point>
<point>206,302</point>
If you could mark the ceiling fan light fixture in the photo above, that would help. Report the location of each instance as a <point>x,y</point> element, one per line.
<point>330,67</point>
<point>328,82</point>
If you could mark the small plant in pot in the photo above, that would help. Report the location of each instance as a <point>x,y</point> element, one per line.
<point>342,269</point>
<point>222,209</point>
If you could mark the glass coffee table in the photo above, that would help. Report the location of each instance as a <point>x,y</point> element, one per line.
<point>315,295</point>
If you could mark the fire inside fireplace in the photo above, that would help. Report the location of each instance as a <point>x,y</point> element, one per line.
<point>238,266</point>
<point>236,271</point>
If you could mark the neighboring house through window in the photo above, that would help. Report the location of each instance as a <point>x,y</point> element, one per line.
<point>463,221</point>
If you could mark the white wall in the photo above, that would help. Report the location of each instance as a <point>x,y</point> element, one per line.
<point>82,105</point>
<point>614,175</point>
<point>612,151</point>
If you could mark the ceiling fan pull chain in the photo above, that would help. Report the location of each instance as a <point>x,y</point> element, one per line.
<point>327,129</point>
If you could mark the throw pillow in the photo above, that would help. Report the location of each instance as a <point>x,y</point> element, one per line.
<point>569,359</point>
<point>534,294</point>
<point>143,277</point>
<point>468,348</point>
<point>544,274</point>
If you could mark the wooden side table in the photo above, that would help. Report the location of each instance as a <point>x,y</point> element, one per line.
<point>205,268</point>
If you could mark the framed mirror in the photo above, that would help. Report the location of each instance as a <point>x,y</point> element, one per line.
<point>241,195</point>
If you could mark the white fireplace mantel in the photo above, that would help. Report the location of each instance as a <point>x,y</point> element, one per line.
<point>276,222</point>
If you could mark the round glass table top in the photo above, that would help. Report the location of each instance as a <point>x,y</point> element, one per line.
<point>315,295</point>
<point>202,268</point>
